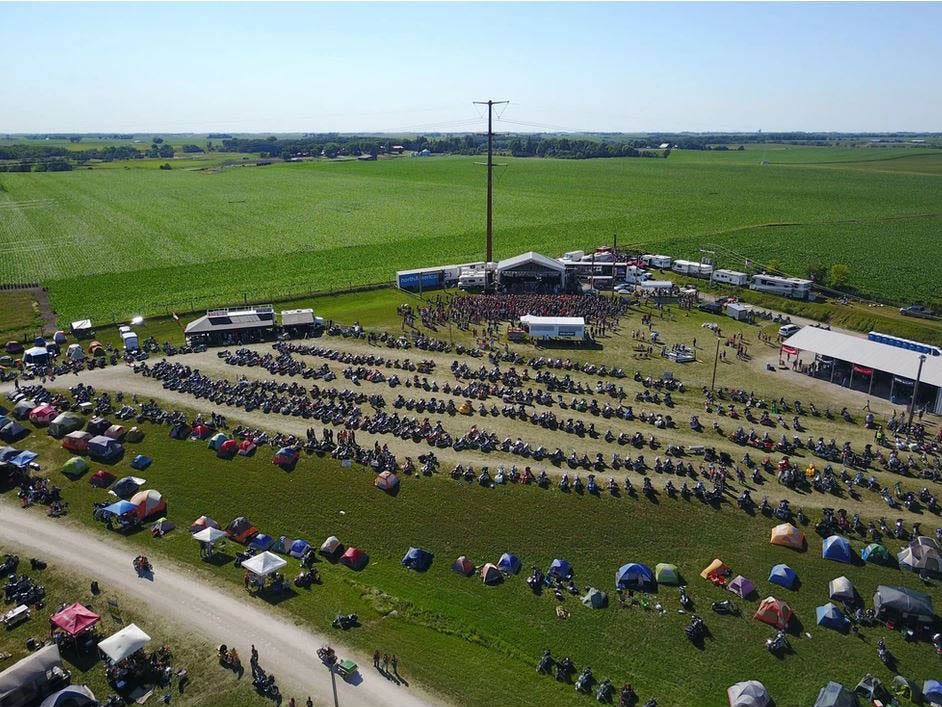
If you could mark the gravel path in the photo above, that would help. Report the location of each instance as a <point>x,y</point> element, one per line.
<point>216,614</point>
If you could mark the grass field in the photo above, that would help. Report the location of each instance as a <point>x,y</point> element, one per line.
<point>478,645</point>
<point>468,640</point>
<point>209,684</point>
<point>116,242</point>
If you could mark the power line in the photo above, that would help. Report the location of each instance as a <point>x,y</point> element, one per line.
<point>490,182</point>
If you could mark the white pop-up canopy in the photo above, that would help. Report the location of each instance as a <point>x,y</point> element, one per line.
<point>264,563</point>
<point>125,642</point>
<point>209,535</point>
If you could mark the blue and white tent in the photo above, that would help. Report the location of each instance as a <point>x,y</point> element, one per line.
<point>560,569</point>
<point>299,547</point>
<point>508,564</point>
<point>784,576</point>
<point>831,617</point>
<point>23,459</point>
<point>417,559</point>
<point>119,508</point>
<point>837,548</point>
<point>634,575</point>
<point>262,542</point>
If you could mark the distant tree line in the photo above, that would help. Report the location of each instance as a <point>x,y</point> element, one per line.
<point>52,157</point>
<point>334,145</point>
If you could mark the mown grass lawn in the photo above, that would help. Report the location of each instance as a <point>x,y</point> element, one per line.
<point>209,683</point>
<point>476,644</point>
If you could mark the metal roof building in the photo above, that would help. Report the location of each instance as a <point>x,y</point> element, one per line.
<point>234,325</point>
<point>867,359</point>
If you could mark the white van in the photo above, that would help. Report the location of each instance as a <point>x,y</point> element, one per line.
<point>788,329</point>
<point>472,281</point>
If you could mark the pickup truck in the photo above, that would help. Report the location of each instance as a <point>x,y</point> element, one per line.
<point>917,310</point>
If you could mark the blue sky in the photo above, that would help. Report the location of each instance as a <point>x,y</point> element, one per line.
<point>417,67</point>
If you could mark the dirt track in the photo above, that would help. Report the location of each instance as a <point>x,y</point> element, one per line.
<point>180,596</point>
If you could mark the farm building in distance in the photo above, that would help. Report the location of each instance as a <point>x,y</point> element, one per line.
<point>233,326</point>
<point>874,367</point>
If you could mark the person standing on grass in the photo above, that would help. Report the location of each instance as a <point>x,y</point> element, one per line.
<point>385,662</point>
<point>395,664</point>
<point>376,659</point>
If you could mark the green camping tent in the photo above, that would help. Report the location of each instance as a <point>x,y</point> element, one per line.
<point>65,423</point>
<point>595,599</point>
<point>666,574</point>
<point>75,467</point>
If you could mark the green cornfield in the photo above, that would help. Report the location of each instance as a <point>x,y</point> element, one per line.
<point>112,242</point>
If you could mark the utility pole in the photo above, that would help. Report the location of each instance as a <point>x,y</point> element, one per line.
<point>912,403</point>
<point>716,359</point>
<point>489,252</point>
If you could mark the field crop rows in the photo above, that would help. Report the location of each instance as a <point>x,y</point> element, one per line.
<point>115,242</point>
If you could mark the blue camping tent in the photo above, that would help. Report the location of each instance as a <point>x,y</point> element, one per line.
<point>23,459</point>
<point>634,575</point>
<point>837,548</point>
<point>299,547</point>
<point>119,508</point>
<point>830,616</point>
<point>508,564</point>
<point>932,691</point>
<point>560,569</point>
<point>13,431</point>
<point>141,462</point>
<point>262,542</point>
<point>417,559</point>
<point>104,448</point>
<point>784,576</point>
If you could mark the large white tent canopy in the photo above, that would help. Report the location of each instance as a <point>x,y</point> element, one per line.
<point>209,535</point>
<point>125,642</point>
<point>264,563</point>
<point>863,352</point>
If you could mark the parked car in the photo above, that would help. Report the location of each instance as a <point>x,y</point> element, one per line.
<point>917,310</point>
<point>711,307</point>
<point>788,329</point>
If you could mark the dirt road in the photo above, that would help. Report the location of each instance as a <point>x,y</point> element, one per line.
<point>216,614</point>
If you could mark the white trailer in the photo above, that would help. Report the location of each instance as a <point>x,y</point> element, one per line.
<point>661,262</point>
<point>129,339</point>
<point>729,277</point>
<point>692,267</point>
<point>793,287</point>
<point>635,275</point>
<point>656,286</point>
<point>472,279</point>
<point>544,328</point>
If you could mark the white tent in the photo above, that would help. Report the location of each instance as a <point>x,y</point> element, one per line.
<point>264,563</point>
<point>750,693</point>
<point>209,535</point>
<point>125,642</point>
<point>330,545</point>
<point>841,589</point>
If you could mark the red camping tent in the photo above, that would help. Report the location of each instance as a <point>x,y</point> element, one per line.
<point>74,619</point>
<point>102,479</point>
<point>774,612</point>
<point>354,558</point>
